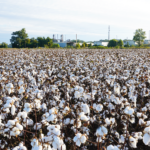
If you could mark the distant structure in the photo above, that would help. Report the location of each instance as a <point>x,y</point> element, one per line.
<point>54,38</point>
<point>146,41</point>
<point>101,43</point>
<point>61,38</point>
<point>108,33</point>
<point>130,42</point>
<point>58,40</point>
<point>61,41</point>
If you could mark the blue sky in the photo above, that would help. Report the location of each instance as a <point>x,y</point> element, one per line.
<point>89,19</point>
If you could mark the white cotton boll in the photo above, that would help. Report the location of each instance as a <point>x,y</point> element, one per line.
<point>63,147</point>
<point>37,126</point>
<point>85,108</point>
<point>81,90</point>
<point>99,139</point>
<point>128,110</point>
<point>117,89</point>
<point>57,142</point>
<point>19,126</point>
<point>83,117</point>
<point>77,94</point>
<point>10,123</point>
<point>66,110</point>
<point>122,139</point>
<point>99,107</point>
<point>13,109</point>
<point>22,115</point>
<point>7,105</point>
<point>111,147</point>
<point>146,139</point>
<point>78,143</point>
<point>132,142</point>
<point>27,107</point>
<point>141,122</point>
<point>20,83</point>
<point>21,90</point>
<point>67,121</point>
<point>112,120</point>
<point>56,131</point>
<point>107,121</point>
<point>147,130</point>
<point>51,117</point>
<point>139,114</point>
<point>83,139</point>
<point>101,131</point>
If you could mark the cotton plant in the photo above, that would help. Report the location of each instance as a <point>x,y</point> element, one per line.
<point>101,132</point>
<point>20,147</point>
<point>79,139</point>
<point>9,87</point>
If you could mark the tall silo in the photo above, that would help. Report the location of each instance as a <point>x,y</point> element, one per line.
<point>61,38</point>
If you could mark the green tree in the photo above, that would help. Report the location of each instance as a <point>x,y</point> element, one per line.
<point>77,45</point>
<point>55,45</point>
<point>4,45</point>
<point>139,36</point>
<point>18,38</point>
<point>120,43</point>
<point>112,43</point>
<point>83,45</point>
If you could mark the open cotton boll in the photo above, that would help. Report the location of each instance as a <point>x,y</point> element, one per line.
<point>21,90</point>
<point>121,139</point>
<point>99,107</point>
<point>15,132</point>
<point>132,142</point>
<point>111,147</point>
<point>77,94</point>
<point>9,87</point>
<point>83,139</point>
<point>79,138</point>
<point>83,117</point>
<point>146,139</point>
<point>19,126</point>
<point>13,109</point>
<point>27,107</point>
<point>128,110</point>
<point>57,143</point>
<point>10,123</point>
<point>101,131</point>
<point>85,108</point>
<point>67,121</point>
<point>117,89</point>
<point>22,115</point>
<point>66,110</point>
<point>20,147</point>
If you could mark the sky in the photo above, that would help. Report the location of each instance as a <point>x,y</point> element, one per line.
<point>89,19</point>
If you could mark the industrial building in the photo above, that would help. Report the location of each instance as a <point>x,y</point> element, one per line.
<point>61,41</point>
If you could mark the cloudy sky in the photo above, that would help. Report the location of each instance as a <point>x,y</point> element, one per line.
<point>89,19</point>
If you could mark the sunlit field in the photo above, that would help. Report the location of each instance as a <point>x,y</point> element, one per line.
<point>57,99</point>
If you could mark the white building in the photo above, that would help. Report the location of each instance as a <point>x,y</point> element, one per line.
<point>100,43</point>
<point>130,42</point>
<point>147,42</point>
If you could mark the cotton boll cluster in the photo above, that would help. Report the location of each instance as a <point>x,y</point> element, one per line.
<point>55,99</point>
<point>79,138</point>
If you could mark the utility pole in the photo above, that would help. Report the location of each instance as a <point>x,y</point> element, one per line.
<point>76,38</point>
<point>108,33</point>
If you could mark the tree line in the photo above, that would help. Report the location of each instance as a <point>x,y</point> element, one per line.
<point>19,39</point>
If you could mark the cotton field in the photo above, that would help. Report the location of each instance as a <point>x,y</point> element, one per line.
<point>74,99</point>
